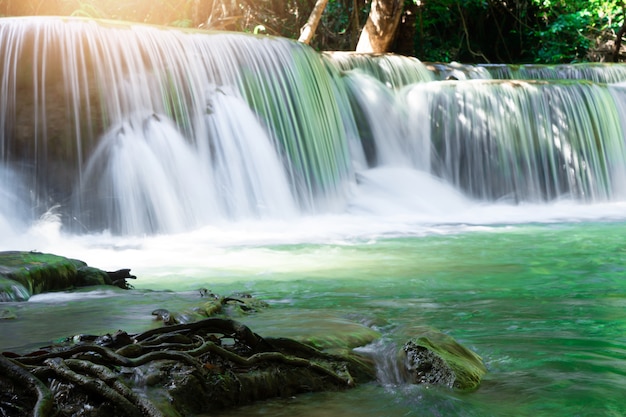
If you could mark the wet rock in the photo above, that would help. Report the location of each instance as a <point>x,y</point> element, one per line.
<point>23,274</point>
<point>11,290</point>
<point>436,358</point>
<point>426,367</point>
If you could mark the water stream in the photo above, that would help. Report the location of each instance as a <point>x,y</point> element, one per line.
<point>340,189</point>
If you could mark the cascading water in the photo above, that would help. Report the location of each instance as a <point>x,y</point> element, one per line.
<point>393,71</point>
<point>596,72</point>
<point>599,73</point>
<point>524,141</point>
<point>458,71</point>
<point>468,204</point>
<point>137,130</point>
<point>87,115</point>
<point>13,200</point>
<point>244,179</point>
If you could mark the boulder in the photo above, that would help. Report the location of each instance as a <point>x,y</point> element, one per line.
<point>23,274</point>
<point>437,359</point>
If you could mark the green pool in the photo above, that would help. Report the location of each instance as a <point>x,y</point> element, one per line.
<point>543,304</point>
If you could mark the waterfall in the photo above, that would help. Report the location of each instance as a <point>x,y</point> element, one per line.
<point>138,129</point>
<point>596,72</point>
<point>392,70</point>
<point>390,136</point>
<point>92,112</point>
<point>607,73</point>
<point>524,141</point>
<point>458,71</point>
<point>13,201</point>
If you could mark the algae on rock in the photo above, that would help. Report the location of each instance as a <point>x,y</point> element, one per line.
<point>23,274</point>
<point>436,358</point>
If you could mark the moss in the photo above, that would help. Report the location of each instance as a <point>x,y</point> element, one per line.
<point>7,314</point>
<point>11,290</point>
<point>212,307</point>
<point>23,274</point>
<point>444,355</point>
<point>88,276</point>
<point>333,333</point>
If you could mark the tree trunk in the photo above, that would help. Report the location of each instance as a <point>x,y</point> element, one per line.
<point>308,30</point>
<point>381,26</point>
<point>618,41</point>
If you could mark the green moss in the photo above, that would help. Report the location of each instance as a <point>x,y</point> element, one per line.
<point>39,272</point>
<point>445,354</point>
<point>88,276</point>
<point>12,291</point>
<point>338,335</point>
<point>23,274</point>
<point>7,314</point>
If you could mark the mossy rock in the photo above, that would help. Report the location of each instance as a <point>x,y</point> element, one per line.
<point>23,274</point>
<point>337,334</point>
<point>89,276</point>
<point>436,358</point>
<point>317,329</point>
<point>11,290</point>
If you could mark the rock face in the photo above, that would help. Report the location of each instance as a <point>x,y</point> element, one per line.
<point>23,274</point>
<point>436,358</point>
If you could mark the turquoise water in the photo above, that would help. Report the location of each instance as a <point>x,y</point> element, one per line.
<point>543,304</point>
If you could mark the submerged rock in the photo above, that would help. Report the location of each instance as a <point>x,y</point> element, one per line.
<point>436,358</point>
<point>23,274</point>
<point>7,314</point>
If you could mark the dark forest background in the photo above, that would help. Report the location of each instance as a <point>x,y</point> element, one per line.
<point>471,31</point>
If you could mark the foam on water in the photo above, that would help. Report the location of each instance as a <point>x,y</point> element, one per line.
<point>416,204</point>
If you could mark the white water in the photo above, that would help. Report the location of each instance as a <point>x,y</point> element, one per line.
<point>220,140</point>
<point>149,178</point>
<point>416,205</point>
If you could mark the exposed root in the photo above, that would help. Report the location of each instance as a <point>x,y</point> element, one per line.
<point>16,373</point>
<point>97,375</point>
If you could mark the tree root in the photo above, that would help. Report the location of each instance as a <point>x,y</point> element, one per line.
<point>95,385</point>
<point>44,405</point>
<point>112,379</point>
<point>200,348</point>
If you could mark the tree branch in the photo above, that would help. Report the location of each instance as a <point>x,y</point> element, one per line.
<point>308,30</point>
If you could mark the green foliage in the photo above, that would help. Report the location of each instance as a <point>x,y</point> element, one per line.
<point>449,30</point>
<point>340,24</point>
<point>567,31</point>
<point>513,31</point>
<point>545,31</point>
<point>564,39</point>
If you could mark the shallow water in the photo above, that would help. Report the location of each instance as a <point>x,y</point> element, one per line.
<point>543,304</point>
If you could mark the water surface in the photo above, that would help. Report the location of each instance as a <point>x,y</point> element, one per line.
<point>543,304</point>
